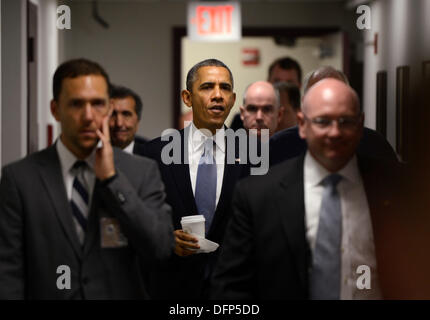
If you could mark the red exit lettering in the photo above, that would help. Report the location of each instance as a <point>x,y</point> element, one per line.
<point>213,19</point>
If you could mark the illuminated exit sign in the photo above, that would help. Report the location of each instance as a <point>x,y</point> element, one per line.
<point>214,21</point>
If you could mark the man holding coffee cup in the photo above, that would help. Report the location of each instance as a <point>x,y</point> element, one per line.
<point>202,184</point>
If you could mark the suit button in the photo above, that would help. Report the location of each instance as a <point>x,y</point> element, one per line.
<point>121,197</point>
<point>85,280</point>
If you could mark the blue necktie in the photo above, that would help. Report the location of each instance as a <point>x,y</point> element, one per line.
<point>326,263</point>
<point>205,194</point>
<point>80,199</point>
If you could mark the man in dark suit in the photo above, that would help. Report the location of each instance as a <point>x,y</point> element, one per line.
<point>124,122</point>
<point>284,69</point>
<point>287,143</point>
<point>260,108</point>
<point>210,95</point>
<point>78,221</point>
<point>311,226</point>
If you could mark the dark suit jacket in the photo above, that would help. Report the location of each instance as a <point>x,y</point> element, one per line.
<point>139,142</point>
<point>287,144</point>
<point>265,253</point>
<point>37,233</point>
<point>187,277</point>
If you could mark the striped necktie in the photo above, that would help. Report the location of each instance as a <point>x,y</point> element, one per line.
<point>80,199</point>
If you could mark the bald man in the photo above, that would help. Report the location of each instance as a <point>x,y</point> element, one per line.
<point>303,230</point>
<point>287,143</point>
<point>260,109</point>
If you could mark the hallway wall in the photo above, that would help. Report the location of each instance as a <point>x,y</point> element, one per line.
<point>403,29</point>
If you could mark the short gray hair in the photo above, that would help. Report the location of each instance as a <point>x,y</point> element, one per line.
<point>322,73</point>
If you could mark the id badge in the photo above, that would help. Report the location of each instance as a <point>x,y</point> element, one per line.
<point>111,235</point>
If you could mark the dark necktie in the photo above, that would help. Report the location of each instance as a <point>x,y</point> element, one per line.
<point>80,199</point>
<point>206,182</point>
<point>326,268</point>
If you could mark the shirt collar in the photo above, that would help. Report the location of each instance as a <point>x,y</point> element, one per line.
<point>198,138</point>
<point>68,159</point>
<point>130,147</point>
<point>316,173</point>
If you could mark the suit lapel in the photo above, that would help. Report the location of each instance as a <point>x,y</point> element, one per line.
<point>52,177</point>
<point>93,220</point>
<point>291,187</point>
<point>230,177</point>
<point>181,176</point>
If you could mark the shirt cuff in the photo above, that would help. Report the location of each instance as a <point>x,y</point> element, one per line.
<point>105,182</point>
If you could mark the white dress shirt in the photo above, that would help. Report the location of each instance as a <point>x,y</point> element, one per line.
<point>357,235</point>
<point>67,160</point>
<point>129,148</point>
<point>196,139</point>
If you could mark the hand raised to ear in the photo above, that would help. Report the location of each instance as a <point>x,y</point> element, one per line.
<point>104,166</point>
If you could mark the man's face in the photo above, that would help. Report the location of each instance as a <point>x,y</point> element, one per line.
<point>288,115</point>
<point>211,98</point>
<point>331,144</point>
<point>260,110</point>
<point>123,122</point>
<point>284,75</point>
<point>81,107</point>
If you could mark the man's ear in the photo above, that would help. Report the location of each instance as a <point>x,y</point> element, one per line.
<point>362,119</point>
<point>362,122</point>
<point>281,111</point>
<point>242,110</point>
<point>55,110</point>
<point>301,124</point>
<point>186,97</point>
<point>110,110</point>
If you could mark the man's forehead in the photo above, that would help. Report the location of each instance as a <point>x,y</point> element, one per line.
<point>126,102</point>
<point>329,92</point>
<point>85,82</point>
<point>319,105</point>
<point>213,73</point>
<point>260,97</point>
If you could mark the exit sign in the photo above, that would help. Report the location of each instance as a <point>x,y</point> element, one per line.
<point>214,21</point>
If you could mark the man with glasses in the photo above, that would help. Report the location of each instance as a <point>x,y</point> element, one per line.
<point>287,143</point>
<point>309,228</point>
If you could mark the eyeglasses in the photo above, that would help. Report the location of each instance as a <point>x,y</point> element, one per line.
<point>343,123</point>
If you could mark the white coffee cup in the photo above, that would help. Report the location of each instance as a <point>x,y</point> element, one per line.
<point>194,225</point>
